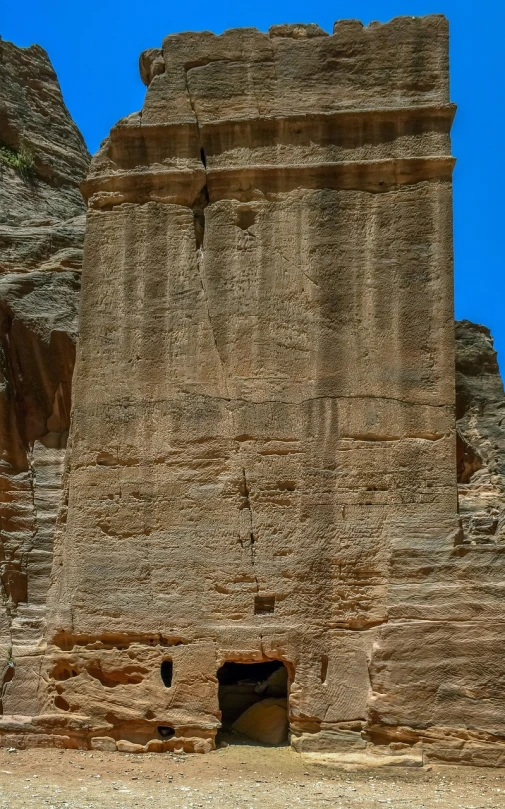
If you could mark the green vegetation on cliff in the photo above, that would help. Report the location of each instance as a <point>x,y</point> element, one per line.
<point>19,159</point>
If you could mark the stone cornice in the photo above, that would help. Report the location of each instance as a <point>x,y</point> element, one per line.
<point>165,162</point>
<point>181,186</point>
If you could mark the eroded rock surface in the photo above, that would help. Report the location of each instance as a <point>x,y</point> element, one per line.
<point>41,236</point>
<point>262,463</point>
<point>33,117</point>
<point>263,438</point>
<point>480,405</point>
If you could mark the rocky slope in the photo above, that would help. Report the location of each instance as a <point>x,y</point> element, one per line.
<point>43,158</point>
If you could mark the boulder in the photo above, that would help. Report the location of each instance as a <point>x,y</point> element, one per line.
<point>265,722</point>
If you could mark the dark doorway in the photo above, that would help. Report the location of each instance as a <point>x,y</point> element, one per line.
<point>253,701</point>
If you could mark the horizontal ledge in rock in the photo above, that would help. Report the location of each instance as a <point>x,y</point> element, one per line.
<point>134,145</point>
<point>139,127</point>
<point>181,186</point>
<point>169,186</point>
<point>375,176</point>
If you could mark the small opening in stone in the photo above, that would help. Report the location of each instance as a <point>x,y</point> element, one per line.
<point>61,703</point>
<point>264,605</point>
<point>203,157</point>
<point>324,667</point>
<point>253,702</point>
<point>245,218</point>
<point>61,672</point>
<point>166,671</point>
<point>165,731</point>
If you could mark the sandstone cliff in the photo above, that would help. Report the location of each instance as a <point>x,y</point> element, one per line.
<point>262,472</point>
<point>43,158</point>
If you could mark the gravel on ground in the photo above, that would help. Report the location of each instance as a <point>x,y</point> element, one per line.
<point>235,777</point>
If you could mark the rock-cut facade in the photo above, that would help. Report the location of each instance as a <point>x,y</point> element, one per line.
<point>262,455</point>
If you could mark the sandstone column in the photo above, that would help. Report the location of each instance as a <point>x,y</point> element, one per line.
<point>262,439</point>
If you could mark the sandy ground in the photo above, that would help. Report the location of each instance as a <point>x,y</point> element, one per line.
<point>236,777</point>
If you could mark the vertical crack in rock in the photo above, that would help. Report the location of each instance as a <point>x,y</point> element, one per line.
<point>199,262</point>
<point>33,485</point>
<point>199,206</point>
<point>252,540</point>
<point>190,99</point>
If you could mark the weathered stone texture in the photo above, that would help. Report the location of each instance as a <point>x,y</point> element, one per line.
<point>41,235</point>
<point>480,411</point>
<point>33,116</point>
<point>262,461</point>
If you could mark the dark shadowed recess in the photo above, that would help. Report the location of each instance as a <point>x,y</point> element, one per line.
<point>242,685</point>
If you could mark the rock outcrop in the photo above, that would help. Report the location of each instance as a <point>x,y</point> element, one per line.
<point>43,158</point>
<point>480,411</point>
<point>262,462</point>
<point>263,433</point>
<point>34,122</point>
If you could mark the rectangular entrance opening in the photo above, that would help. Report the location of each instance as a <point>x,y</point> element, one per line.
<point>253,700</point>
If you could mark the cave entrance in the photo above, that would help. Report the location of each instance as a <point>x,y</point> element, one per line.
<point>253,700</point>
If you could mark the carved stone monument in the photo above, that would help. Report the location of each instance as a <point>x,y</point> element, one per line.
<point>261,474</point>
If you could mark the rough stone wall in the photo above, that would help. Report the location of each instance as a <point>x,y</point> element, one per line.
<point>480,410</point>
<point>264,411</point>
<point>264,389</point>
<point>41,236</point>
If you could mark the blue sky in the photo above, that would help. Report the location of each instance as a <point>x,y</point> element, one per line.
<point>94,47</point>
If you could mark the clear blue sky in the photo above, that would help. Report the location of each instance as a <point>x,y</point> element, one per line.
<point>94,47</point>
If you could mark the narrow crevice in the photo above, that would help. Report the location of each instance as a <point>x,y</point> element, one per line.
<point>199,222</point>
<point>203,157</point>
<point>327,397</point>
<point>202,200</point>
<point>371,437</point>
<point>199,205</point>
<point>252,539</point>
<point>33,488</point>
<point>190,99</point>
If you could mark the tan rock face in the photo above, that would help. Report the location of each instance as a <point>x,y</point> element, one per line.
<point>34,120</point>
<point>481,436</point>
<point>262,463</point>
<point>41,235</point>
<point>264,387</point>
